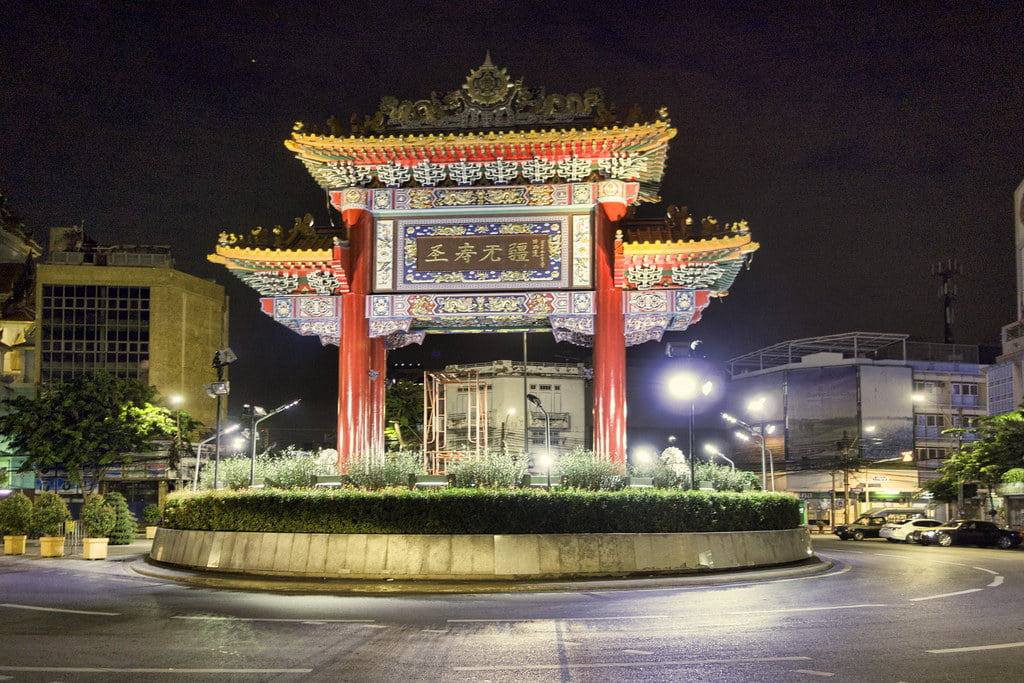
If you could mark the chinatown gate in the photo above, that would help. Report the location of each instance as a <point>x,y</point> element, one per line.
<point>492,208</point>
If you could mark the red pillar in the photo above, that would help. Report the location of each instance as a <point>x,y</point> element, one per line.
<point>354,397</point>
<point>609,347</point>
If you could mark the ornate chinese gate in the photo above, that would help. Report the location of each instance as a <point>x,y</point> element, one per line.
<point>480,211</point>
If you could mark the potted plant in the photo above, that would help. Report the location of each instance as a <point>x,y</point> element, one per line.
<point>49,513</point>
<point>97,520</point>
<point>151,516</point>
<point>15,520</point>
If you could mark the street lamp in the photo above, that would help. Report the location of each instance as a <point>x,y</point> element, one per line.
<point>199,452</point>
<point>504,444</point>
<point>711,450</point>
<point>219,389</point>
<point>547,431</point>
<point>688,386</point>
<point>760,435</point>
<point>259,414</point>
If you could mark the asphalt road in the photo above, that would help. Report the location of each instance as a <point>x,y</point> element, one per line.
<point>883,612</point>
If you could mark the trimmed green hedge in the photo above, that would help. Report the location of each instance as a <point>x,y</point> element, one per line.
<point>478,511</point>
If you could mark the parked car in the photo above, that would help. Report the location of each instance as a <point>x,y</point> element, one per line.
<point>970,532</point>
<point>870,524</point>
<point>908,531</point>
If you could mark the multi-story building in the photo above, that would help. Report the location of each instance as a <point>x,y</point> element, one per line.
<point>126,310</point>
<point>1006,376</point>
<point>484,405</point>
<point>824,402</point>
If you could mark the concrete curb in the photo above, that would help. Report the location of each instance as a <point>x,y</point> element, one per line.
<point>271,584</point>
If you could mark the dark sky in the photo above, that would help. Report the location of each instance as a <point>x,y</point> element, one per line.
<point>863,142</point>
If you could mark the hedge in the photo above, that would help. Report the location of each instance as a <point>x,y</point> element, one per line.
<point>480,511</point>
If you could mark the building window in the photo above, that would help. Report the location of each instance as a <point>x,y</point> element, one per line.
<point>925,387</point>
<point>94,328</point>
<point>964,389</point>
<point>926,420</point>
<point>931,453</point>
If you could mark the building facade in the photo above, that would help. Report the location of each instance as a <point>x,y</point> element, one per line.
<point>825,402</point>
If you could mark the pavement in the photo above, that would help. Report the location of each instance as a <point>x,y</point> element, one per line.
<point>135,557</point>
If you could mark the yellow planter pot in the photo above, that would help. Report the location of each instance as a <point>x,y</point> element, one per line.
<point>151,531</point>
<point>14,545</point>
<point>94,548</point>
<point>51,546</point>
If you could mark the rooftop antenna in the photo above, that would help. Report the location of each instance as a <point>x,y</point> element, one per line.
<point>947,292</point>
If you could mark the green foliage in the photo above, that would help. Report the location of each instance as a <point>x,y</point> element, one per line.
<point>152,514</point>
<point>85,425</point>
<point>393,469</point>
<point>125,525</point>
<point>403,410</point>
<point>495,470</point>
<point>16,514</point>
<point>1000,449</point>
<point>49,512</point>
<point>292,469</point>
<point>480,511</point>
<point>582,469</point>
<point>1014,475</point>
<point>97,517</point>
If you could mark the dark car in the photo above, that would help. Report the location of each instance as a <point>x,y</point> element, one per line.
<point>970,532</point>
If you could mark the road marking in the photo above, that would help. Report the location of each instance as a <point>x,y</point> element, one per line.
<point>976,648</point>
<point>63,611</point>
<point>809,609</point>
<point>107,670</point>
<point>812,672</point>
<point>638,652</point>
<point>998,581</point>
<point>982,569</point>
<point>946,595</point>
<point>621,665</point>
<point>300,621</point>
<point>508,621</point>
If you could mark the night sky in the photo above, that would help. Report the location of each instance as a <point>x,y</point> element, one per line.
<point>863,142</point>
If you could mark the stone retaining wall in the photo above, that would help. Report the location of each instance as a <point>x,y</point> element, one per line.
<point>478,556</point>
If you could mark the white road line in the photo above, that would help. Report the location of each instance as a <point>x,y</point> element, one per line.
<point>638,652</point>
<point>976,648</point>
<point>508,621</point>
<point>946,595</point>
<point>63,611</point>
<point>809,609</point>
<point>621,665</point>
<point>998,581</point>
<point>982,569</point>
<point>299,621</point>
<point>812,672</point>
<point>105,670</point>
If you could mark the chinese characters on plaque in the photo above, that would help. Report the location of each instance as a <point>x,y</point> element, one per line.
<point>482,252</point>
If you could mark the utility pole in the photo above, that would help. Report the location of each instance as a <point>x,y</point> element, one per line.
<point>947,292</point>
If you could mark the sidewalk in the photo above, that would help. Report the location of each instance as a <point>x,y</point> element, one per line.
<point>135,557</point>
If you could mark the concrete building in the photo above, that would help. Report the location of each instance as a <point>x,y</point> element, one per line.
<point>127,311</point>
<point>824,401</point>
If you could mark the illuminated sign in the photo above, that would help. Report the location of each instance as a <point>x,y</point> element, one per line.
<point>483,252</point>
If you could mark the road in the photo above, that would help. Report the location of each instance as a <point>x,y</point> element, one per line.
<point>884,612</point>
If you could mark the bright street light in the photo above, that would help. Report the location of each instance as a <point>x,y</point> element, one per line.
<point>259,415</point>
<point>754,432</point>
<point>711,450</point>
<point>689,386</point>
<point>199,452</point>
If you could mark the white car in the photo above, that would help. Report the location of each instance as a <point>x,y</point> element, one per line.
<point>908,531</point>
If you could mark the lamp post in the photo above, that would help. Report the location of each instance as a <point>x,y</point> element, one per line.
<point>220,389</point>
<point>504,443</point>
<point>258,415</point>
<point>689,386</point>
<point>176,401</point>
<point>760,435</point>
<point>199,452</point>
<point>710,449</point>
<point>547,432</point>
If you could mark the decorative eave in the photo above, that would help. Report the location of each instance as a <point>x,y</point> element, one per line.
<point>710,264</point>
<point>632,154</point>
<point>273,257</point>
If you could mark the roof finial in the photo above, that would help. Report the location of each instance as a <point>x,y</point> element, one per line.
<point>487,61</point>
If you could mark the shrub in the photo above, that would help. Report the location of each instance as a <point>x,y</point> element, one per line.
<point>152,514</point>
<point>293,469</point>
<point>16,514</point>
<point>582,469</point>
<point>1014,476</point>
<point>49,512</point>
<point>480,511</point>
<point>97,517</point>
<point>392,469</point>
<point>495,470</point>
<point>125,524</point>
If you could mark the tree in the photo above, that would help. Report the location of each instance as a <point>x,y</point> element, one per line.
<point>403,406</point>
<point>85,425</point>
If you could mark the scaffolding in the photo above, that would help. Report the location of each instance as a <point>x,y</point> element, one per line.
<point>454,419</point>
